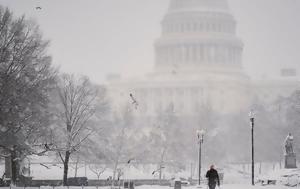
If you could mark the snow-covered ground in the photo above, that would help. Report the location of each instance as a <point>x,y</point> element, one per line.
<point>229,186</point>
<point>235,176</point>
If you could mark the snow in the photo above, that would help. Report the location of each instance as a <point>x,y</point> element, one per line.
<point>283,176</point>
<point>229,186</point>
<point>234,177</point>
<point>282,172</point>
<point>222,187</point>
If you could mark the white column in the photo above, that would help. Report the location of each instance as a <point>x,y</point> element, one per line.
<point>201,54</point>
<point>176,55</point>
<point>230,55</point>
<point>208,53</point>
<point>185,52</point>
<point>182,54</point>
<point>227,55</point>
<point>188,54</point>
<point>194,54</point>
<point>168,55</point>
<point>234,56</point>
<point>239,56</point>
<point>165,55</point>
<point>204,53</point>
<point>172,55</point>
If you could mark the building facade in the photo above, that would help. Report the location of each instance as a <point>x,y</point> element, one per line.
<point>198,64</point>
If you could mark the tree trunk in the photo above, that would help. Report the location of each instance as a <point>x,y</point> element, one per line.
<point>161,164</point>
<point>192,171</point>
<point>160,173</point>
<point>75,174</point>
<point>76,166</point>
<point>114,174</point>
<point>8,167</point>
<point>119,180</point>
<point>97,186</point>
<point>66,168</point>
<point>14,170</point>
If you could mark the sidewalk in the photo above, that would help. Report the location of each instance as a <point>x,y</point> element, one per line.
<point>227,186</point>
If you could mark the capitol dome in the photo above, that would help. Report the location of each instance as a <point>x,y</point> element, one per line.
<point>198,36</point>
<point>198,63</point>
<point>217,5</point>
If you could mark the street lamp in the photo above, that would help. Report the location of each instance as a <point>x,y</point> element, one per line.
<point>200,135</point>
<point>251,115</point>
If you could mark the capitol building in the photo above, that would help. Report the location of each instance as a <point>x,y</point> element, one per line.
<point>198,63</point>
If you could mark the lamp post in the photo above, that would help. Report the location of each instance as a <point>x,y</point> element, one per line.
<point>200,135</point>
<point>251,115</point>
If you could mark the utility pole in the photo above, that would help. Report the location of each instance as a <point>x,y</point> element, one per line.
<point>252,142</point>
<point>200,135</point>
<point>199,164</point>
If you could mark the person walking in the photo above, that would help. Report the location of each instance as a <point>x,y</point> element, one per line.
<point>213,177</point>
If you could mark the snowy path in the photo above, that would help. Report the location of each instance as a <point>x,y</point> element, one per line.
<point>229,186</point>
<point>222,187</point>
<point>226,186</point>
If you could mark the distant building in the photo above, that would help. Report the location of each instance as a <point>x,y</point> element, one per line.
<point>198,62</point>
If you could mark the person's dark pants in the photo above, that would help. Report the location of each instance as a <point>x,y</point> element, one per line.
<point>212,185</point>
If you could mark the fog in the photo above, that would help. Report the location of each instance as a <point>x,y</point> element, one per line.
<point>99,37</point>
<point>171,72</point>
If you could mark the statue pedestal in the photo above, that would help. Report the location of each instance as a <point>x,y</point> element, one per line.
<point>290,161</point>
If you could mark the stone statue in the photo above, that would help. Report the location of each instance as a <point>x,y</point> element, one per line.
<point>290,156</point>
<point>289,144</point>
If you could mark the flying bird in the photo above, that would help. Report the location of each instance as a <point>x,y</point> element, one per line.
<point>38,8</point>
<point>129,161</point>
<point>162,167</point>
<point>44,165</point>
<point>134,102</point>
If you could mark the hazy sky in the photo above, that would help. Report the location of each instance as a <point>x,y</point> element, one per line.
<point>98,37</point>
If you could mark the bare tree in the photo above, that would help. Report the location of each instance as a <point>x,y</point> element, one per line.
<point>77,102</point>
<point>76,164</point>
<point>164,140</point>
<point>159,145</point>
<point>122,145</point>
<point>98,169</point>
<point>118,152</point>
<point>26,78</point>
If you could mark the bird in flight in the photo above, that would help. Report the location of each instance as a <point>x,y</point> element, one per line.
<point>134,102</point>
<point>129,161</point>
<point>38,8</point>
<point>44,165</point>
<point>162,167</point>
